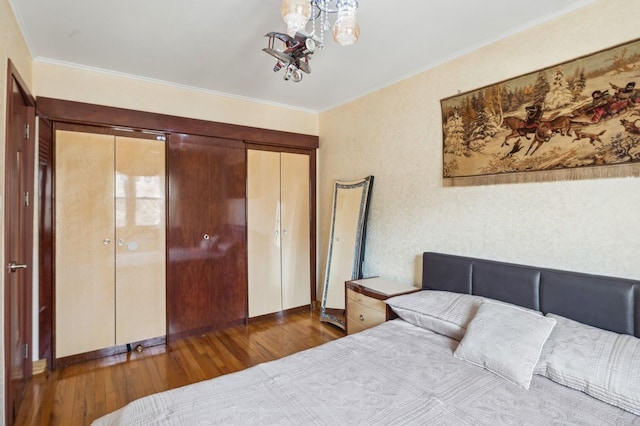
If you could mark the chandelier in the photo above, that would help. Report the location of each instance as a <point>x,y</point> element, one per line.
<point>298,13</point>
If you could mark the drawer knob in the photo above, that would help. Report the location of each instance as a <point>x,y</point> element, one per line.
<point>361,317</point>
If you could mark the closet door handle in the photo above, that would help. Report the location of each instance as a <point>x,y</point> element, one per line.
<point>13,266</point>
<point>106,241</point>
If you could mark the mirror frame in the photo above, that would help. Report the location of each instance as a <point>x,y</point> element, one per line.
<point>365,185</point>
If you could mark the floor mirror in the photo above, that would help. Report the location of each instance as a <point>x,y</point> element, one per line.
<point>346,245</point>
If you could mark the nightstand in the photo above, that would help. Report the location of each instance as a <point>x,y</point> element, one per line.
<point>364,301</point>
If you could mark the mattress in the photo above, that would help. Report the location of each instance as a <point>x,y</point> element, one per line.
<point>395,373</point>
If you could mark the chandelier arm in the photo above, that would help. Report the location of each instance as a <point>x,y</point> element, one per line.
<point>315,11</point>
<point>325,6</point>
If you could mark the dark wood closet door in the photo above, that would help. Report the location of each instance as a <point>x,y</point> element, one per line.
<point>207,266</point>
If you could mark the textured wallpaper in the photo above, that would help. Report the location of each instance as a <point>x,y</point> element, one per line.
<point>395,134</point>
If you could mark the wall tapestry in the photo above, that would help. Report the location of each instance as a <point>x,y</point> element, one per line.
<point>575,120</point>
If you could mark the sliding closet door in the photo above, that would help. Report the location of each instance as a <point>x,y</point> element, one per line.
<point>279,231</point>
<point>84,242</point>
<point>140,239</point>
<point>207,275</point>
<point>110,231</point>
<point>263,225</point>
<point>296,246</point>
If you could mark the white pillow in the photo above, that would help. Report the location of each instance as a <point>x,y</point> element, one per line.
<point>505,340</point>
<point>442,312</point>
<point>600,363</point>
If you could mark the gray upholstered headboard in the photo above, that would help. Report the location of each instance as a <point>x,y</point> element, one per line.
<point>605,302</point>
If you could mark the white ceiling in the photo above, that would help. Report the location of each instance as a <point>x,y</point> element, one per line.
<point>215,45</point>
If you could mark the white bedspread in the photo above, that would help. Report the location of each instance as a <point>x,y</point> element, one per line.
<point>395,373</point>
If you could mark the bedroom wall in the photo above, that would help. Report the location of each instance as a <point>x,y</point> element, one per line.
<point>93,86</point>
<point>395,134</point>
<point>12,46</point>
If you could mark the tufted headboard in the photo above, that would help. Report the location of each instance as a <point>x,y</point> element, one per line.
<point>604,302</point>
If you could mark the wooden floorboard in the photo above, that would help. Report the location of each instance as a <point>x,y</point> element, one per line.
<point>80,393</point>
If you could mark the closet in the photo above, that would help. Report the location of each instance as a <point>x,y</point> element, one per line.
<point>207,257</point>
<point>201,282</point>
<point>109,240</point>
<point>278,224</point>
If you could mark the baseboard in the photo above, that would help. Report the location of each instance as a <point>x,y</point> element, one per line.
<point>39,366</point>
<point>280,314</point>
<point>101,353</point>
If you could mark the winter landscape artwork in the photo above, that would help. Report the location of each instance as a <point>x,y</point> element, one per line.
<point>579,119</point>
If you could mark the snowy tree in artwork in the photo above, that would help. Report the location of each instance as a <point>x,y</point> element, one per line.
<point>454,130</point>
<point>578,83</point>
<point>559,93</point>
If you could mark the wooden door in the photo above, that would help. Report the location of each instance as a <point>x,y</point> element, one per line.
<point>18,240</point>
<point>84,242</point>
<point>295,223</point>
<point>264,233</point>
<point>207,266</point>
<point>140,214</point>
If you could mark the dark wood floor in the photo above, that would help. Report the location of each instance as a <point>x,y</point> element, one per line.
<point>78,394</point>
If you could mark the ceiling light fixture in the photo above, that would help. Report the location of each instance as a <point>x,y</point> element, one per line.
<point>299,44</point>
<point>297,13</point>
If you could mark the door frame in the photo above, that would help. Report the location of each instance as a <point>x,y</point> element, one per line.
<point>29,102</point>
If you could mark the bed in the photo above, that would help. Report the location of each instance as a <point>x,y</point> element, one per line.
<point>443,361</point>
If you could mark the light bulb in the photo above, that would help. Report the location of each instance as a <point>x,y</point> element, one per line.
<point>346,29</point>
<point>296,14</point>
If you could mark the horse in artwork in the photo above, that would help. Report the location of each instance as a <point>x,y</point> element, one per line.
<point>543,134</point>
<point>518,128</point>
<point>561,124</point>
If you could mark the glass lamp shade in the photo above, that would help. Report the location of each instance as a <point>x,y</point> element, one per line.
<point>296,14</point>
<point>346,29</point>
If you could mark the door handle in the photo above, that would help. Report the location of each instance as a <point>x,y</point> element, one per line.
<point>13,266</point>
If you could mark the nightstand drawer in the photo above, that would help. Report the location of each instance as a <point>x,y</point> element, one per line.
<point>361,315</point>
<point>355,326</point>
<point>370,302</point>
<point>365,301</point>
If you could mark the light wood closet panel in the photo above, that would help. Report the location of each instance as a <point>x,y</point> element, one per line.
<point>278,231</point>
<point>109,241</point>
<point>294,207</point>
<point>84,235</point>
<point>263,220</point>
<point>140,240</point>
